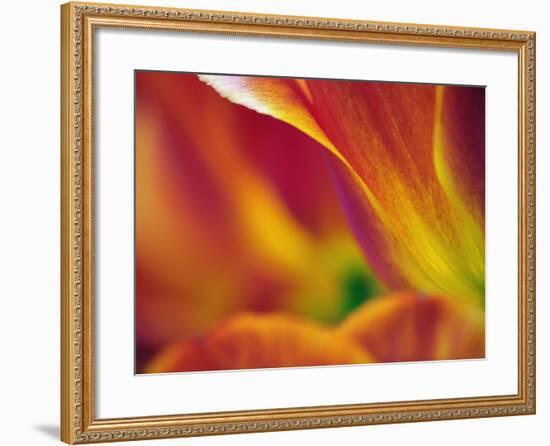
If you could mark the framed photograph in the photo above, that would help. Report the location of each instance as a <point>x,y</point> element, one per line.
<point>275,223</point>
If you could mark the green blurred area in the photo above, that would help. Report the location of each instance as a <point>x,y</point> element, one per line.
<point>339,281</point>
<point>358,286</point>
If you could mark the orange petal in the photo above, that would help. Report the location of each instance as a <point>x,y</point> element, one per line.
<point>210,189</point>
<point>394,149</point>
<point>412,327</point>
<point>250,341</point>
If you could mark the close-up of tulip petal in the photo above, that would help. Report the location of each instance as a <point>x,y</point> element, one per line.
<point>259,341</point>
<point>286,222</point>
<point>410,327</point>
<point>397,150</point>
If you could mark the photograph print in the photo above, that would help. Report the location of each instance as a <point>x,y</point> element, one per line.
<point>291,222</point>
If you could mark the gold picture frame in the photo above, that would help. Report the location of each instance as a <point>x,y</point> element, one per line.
<point>78,24</point>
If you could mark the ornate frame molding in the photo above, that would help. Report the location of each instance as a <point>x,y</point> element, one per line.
<point>78,424</point>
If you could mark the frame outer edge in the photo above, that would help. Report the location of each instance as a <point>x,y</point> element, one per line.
<point>68,347</point>
<point>527,222</point>
<point>66,350</point>
<point>531,108</point>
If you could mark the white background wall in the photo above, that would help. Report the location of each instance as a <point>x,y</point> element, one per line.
<point>29,219</point>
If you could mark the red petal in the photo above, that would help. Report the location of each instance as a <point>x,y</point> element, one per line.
<point>413,327</point>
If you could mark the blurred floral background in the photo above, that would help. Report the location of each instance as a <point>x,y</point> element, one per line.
<point>294,222</point>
